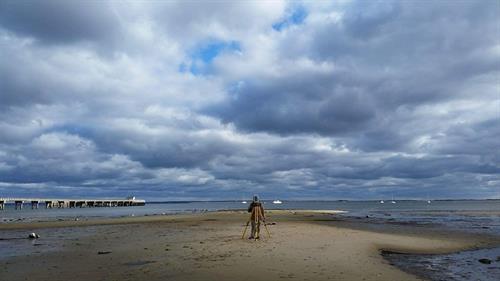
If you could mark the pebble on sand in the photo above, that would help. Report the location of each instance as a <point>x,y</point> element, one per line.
<point>485,261</point>
<point>103,252</point>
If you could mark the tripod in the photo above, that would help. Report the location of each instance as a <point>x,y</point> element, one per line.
<point>256,214</point>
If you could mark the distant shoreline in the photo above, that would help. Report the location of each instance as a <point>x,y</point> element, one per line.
<point>312,200</point>
<point>318,200</point>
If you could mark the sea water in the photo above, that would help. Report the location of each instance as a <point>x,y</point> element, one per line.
<point>473,215</point>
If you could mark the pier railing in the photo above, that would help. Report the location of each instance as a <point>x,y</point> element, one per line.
<point>70,203</point>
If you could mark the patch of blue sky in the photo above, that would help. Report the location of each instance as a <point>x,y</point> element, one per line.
<point>211,50</point>
<point>296,15</point>
<point>203,55</point>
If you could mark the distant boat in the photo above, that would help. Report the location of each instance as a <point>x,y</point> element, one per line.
<point>277,202</point>
<point>428,201</point>
<point>243,202</point>
<point>382,202</point>
<point>393,202</point>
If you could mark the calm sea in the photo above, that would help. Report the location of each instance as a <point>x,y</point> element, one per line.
<point>481,215</point>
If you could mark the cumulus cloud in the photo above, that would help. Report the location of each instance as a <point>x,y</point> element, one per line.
<point>185,100</point>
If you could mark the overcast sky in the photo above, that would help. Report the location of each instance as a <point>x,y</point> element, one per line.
<point>221,100</point>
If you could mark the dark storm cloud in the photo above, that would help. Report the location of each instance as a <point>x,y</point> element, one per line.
<point>58,21</point>
<point>169,150</point>
<point>21,83</point>
<point>333,100</point>
<point>294,104</point>
<point>364,20</point>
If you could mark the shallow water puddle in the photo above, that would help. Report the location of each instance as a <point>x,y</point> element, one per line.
<point>464,265</point>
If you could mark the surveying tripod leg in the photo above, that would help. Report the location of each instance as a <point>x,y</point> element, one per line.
<point>267,230</point>
<point>244,231</point>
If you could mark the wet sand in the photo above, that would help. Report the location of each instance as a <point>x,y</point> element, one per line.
<point>208,246</point>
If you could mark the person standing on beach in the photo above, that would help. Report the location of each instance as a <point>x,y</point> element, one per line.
<point>256,217</point>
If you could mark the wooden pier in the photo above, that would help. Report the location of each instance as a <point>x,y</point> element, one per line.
<point>70,203</point>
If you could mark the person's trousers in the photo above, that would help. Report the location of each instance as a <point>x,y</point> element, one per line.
<point>255,229</point>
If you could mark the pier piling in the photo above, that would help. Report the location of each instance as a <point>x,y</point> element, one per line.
<point>70,203</point>
<point>18,204</point>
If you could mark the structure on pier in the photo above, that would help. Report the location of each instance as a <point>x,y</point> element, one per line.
<point>70,203</point>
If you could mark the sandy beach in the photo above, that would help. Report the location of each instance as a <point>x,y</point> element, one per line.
<point>208,246</point>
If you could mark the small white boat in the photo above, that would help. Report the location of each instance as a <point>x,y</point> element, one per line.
<point>277,202</point>
<point>382,202</point>
<point>393,202</point>
<point>428,201</point>
<point>243,202</point>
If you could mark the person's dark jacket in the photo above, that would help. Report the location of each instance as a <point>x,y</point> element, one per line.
<point>256,208</point>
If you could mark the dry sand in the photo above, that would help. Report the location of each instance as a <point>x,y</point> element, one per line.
<point>303,246</point>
